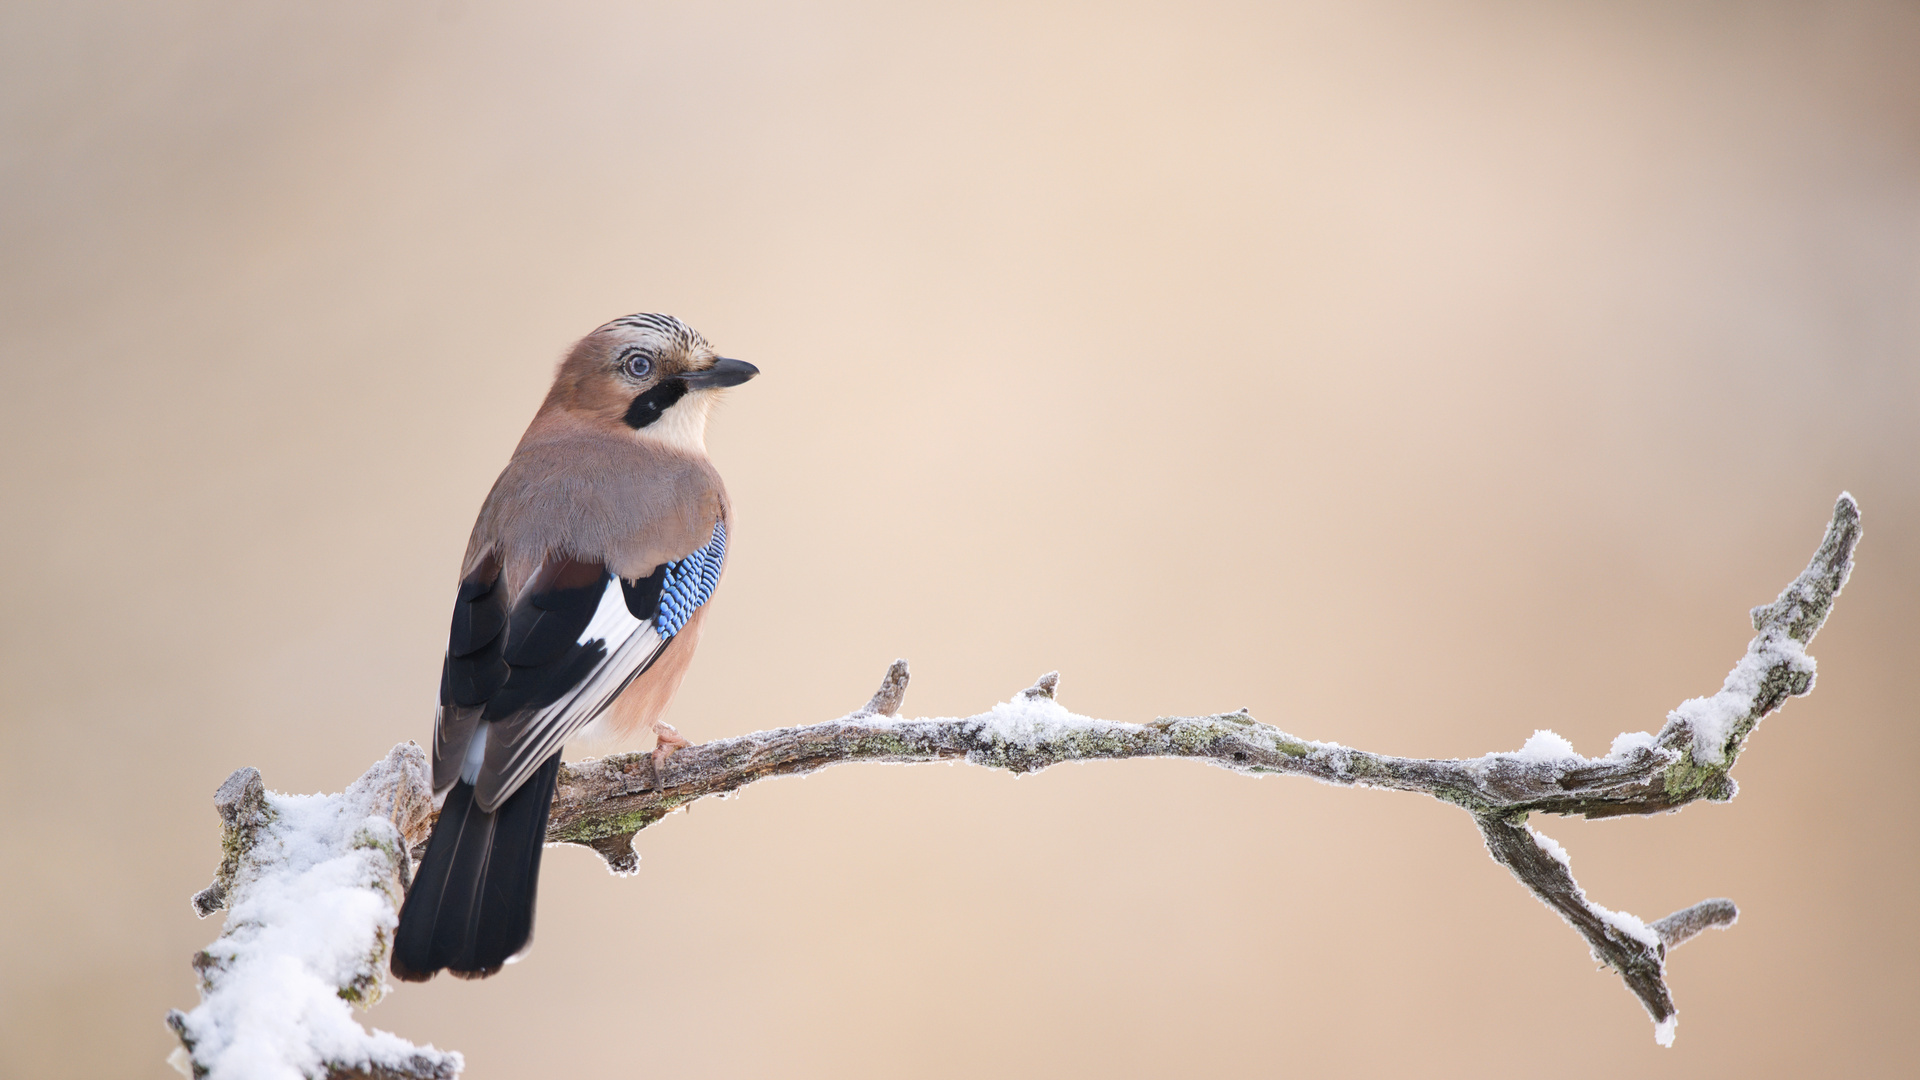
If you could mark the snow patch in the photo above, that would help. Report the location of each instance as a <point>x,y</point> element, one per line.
<point>1629,925</point>
<point>1543,747</point>
<point>1028,722</point>
<point>1713,719</point>
<point>312,917</point>
<point>1546,746</point>
<point>1629,744</point>
<point>1551,748</point>
<point>1553,848</point>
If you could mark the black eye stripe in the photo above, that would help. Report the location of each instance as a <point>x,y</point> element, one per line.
<point>646,407</point>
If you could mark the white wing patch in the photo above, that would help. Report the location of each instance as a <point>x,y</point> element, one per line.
<point>612,621</point>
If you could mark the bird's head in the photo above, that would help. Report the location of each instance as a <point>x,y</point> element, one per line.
<point>651,373</point>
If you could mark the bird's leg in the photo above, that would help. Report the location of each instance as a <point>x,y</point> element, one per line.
<point>667,740</point>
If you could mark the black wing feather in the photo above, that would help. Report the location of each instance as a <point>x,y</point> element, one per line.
<point>479,611</point>
<point>643,596</point>
<point>475,669</point>
<point>547,623</point>
<point>543,652</point>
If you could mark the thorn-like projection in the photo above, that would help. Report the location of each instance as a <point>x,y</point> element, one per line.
<point>886,701</point>
<point>1043,687</point>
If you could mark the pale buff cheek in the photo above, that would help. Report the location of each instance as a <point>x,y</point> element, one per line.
<point>636,710</point>
<point>683,427</point>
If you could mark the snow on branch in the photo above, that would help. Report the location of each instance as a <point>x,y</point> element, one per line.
<point>602,803</point>
<point>312,885</point>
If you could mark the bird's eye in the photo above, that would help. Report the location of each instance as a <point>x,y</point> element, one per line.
<point>636,364</point>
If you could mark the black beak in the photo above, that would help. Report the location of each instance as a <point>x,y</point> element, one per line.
<point>724,372</point>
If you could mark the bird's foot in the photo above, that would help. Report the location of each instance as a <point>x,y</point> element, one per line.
<point>668,741</point>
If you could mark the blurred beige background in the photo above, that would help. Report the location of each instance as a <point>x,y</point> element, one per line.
<point>1414,374</point>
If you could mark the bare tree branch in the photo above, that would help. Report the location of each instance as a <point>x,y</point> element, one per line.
<point>602,803</point>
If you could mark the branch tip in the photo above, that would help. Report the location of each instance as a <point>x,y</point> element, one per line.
<point>1043,687</point>
<point>210,899</point>
<point>886,701</point>
<point>1802,607</point>
<point>239,796</point>
<point>241,802</point>
<point>1684,925</point>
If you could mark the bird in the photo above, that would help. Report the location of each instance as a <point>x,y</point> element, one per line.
<point>580,602</point>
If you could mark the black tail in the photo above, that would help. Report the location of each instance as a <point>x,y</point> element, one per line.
<point>471,904</point>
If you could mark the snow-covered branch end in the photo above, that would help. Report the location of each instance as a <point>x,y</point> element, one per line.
<point>602,803</point>
<point>311,884</point>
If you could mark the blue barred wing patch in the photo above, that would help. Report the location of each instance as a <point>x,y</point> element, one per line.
<point>689,582</point>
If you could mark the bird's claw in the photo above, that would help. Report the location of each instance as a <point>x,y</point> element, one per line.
<point>668,742</point>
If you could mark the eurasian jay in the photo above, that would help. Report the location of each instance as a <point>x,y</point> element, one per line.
<point>580,603</point>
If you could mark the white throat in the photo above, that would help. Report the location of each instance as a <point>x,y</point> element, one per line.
<point>683,426</point>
